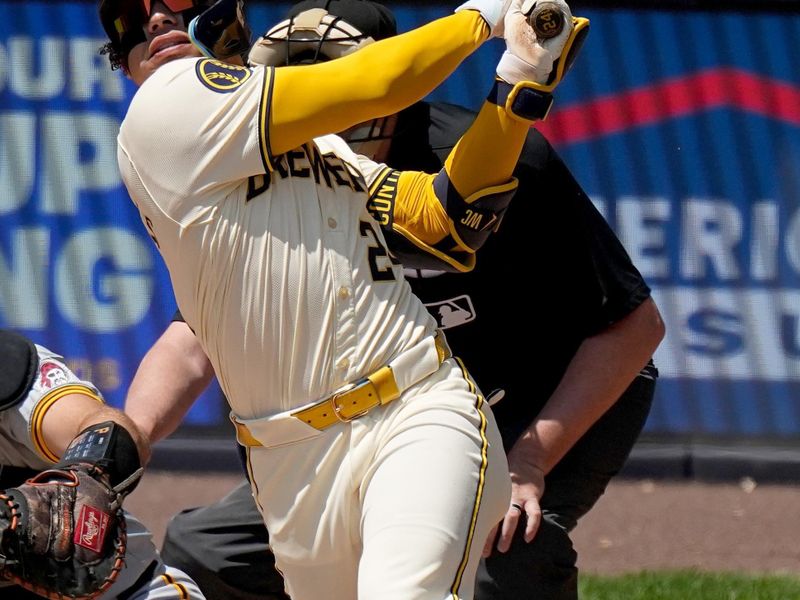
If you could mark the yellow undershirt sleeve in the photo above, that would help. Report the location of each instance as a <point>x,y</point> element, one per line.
<point>488,152</point>
<point>418,211</point>
<point>378,80</point>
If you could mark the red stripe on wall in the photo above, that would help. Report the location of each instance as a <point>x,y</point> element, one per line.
<point>671,98</point>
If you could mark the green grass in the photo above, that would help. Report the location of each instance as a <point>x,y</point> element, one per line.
<point>689,585</point>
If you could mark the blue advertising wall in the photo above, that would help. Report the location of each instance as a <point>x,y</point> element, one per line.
<point>683,127</point>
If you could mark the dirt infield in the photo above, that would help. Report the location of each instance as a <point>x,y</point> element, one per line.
<point>637,525</point>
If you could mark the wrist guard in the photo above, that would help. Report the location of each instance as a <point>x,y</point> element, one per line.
<point>523,101</point>
<point>110,447</point>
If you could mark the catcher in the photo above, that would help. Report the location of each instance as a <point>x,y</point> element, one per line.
<point>67,461</point>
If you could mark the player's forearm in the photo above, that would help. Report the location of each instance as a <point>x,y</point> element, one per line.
<point>601,370</point>
<point>171,376</point>
<point>158,409</point>
<point>488,151</point>
<point>73,413</point>
<point>376,81</point>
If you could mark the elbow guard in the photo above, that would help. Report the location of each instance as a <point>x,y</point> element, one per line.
<point>473,219</point>
<point>465,223</point>
<point>414,254</point>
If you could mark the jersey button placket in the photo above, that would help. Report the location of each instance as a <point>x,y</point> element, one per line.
<point>342,267</point>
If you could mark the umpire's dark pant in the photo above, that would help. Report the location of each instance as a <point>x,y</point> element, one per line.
<point>224,547</point>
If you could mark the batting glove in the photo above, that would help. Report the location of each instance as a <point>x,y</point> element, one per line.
<point>492,11</point>
<point>529,57</point>
<point>542,41</point>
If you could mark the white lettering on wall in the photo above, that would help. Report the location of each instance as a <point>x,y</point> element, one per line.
<point>764,247</point>
<point>88,70</point>
<point>710,232</point>
<point>66,172</point>
<point>699,239</point>
<point>44,68</point>
<point>17,159</point>
<point>38,68</point>
<point>734,334</point>
<point>641,225</point>
<point>104,279</point>
<point>23,278</point>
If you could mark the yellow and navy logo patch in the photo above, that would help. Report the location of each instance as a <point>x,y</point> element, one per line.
<point>221,77</point>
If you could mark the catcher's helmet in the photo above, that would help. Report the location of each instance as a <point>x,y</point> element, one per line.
<point>321,30</point>
<point>18,366</point>
<point>124,21</point>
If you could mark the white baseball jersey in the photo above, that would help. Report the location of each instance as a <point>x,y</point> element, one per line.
<point>22,445</point>
<point>284,277</point>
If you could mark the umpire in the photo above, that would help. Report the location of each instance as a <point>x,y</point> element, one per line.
<point>571,409</point>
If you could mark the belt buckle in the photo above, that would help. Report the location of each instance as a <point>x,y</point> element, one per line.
<point>354,388</point>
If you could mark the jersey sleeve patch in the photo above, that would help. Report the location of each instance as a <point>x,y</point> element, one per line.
<point>382,197</point>
<point>221,77</point>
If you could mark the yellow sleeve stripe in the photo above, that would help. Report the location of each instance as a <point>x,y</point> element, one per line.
<point>37,418</point>
<point>382,197</point>
<point>263,119</point>
<point>183,593</point>
<point>484,464</point>
<point>463,267</point>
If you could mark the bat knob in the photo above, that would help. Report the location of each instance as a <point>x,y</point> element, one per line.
<point>547,20</point>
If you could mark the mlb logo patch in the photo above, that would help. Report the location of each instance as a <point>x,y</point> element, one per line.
<point>452,312</point>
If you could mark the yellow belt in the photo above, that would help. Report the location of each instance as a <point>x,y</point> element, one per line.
<point>358,399</point>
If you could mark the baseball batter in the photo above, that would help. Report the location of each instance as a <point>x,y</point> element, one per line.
<point>375,461</point>
<point>42,403</point>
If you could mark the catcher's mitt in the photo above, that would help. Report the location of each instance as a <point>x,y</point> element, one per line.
<point>63,531</point>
